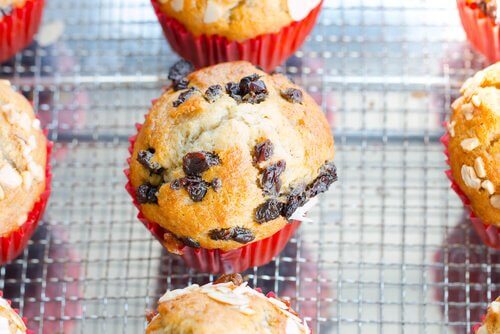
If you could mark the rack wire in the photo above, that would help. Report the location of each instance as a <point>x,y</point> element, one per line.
<point>390,249</point>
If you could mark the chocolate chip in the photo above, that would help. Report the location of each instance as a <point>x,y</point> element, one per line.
<point>292,95</point>
<point>144,157</point>
<point>181,84</point>
<point>238,234</point>
<point>146,193</point>
<point>244,86</point>
<point>213,93</point>
<point>295,199</point>
<point>180,69</point>
<point>175,185</point>
<point>216,184</point>
<point>195,163</point>
<point>271,183</point>
<point>236,279</point>
<point>267,211</point>
<point>328,175</point>
<point>250,89</point>
<point>195,186</point>
<point>263,151</point>
<point>190,242</point>
<point>184,96</point>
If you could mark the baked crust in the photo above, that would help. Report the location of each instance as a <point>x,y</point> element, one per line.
<point>474,146</point>
<point>491,323</point>
<point>299,133</point>
<point>233,19</point>
<point>10,321</point>
<point>23,154</point>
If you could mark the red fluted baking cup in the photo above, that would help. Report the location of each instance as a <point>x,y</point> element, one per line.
<point>266,51</point>
<point>217,261</point>
<point>18,28</point>
<point>13,243</point>
<point>482,31</point>
<point>489,234</point>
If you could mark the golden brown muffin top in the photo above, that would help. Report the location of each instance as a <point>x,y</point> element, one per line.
<point>474,145</point>
<point>10,321</point>
<point>234,19</point>
<point>491,324</point>
<point>214,308</point>
<point>23,154</point>
<point>227,160</point>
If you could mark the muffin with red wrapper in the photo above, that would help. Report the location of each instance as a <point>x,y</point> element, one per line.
<point>24,172</point>
<point>473,150</point>
<point>10,321</point>
<point>491,322</point>
<point>228,160</point>
<point>226,303</point>
<point>19,21</point>
<point>481,22</point>
<point>265,32</point>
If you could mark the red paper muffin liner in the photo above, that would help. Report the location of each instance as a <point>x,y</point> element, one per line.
<point>217,261</point>
<point>481,31</point>
<point>18,28</point>
<point>12,244</point>
<point>17,311</point>
<point>489,234</point>
<point>266,51</point>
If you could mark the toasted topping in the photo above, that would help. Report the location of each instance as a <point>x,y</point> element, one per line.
<point>495,201</point>
<point>488,186</point>
<point>470,144</point>
<point>479,167</point>
<point>469,177</point>
<point>9,177</point>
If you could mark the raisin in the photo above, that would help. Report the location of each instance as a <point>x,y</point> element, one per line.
<point>233,89</point>
<point>190,242</point>
<point>216,184</point>
<point>195,186</point>
<point>328,175</point>
<point>184,96</point>
<point>252,89</point>
<point>236,279</point>
<point>242,235</point>
<point>195,163</point>
<point>146,193</point>
<point>295,199</point>
<point>145,156</point>
<point>271,183</point>
<point>263,151</point>
<point>180,69</point>
<point>244,86</point>
<point>220,234</point>
<point>292,95</point>
<point>181,84</point>
<point>213,93</point>
<point>175,185</point>
<point>267,211</point>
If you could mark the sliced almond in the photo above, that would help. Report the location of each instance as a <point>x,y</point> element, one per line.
<point>495,201</point>
<point>451,128</point>
<point>476,101</point>
<point>488,186</point>
<point>470,144</point>
<point>279,303</point>
<point>230,299</point>
<point>9,177</point>
<point>246,310</point>
<point>27,180</point>
<point>479,167</point>
<point>2,193</point>
<point>457,103</point>
<point>469,177</point>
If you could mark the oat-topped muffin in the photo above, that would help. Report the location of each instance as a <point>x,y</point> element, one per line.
<point>10,321</point>
<point>23,157</point>
<point>236,20</point>
<point>228,154</point>
<point>226,303</point>
<point>474,145</point>
<point>491,323</point>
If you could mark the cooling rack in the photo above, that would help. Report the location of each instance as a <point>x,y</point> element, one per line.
<point>390,249</point>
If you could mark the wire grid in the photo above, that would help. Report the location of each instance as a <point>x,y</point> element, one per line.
<point>390,249</point>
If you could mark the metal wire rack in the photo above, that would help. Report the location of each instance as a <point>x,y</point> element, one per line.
<point>390,250</point>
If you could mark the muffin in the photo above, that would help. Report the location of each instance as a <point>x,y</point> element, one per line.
<point>208,32</point>
<point>473,147</point>
<point>481,21</point>
<point>10,321</point>
<point>19,21</point>
<point>491,322</point>
<point>24,172</point>
<point>227,158</point>
<point>226,303</point>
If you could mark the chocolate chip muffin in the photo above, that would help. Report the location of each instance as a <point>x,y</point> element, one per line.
<point>23,155</point>
<point>226,303</point>
<point>474,143</point>
<point>228,154</point>
<point>10,321</point>
<point>236,20</point>
<point>491,323</point>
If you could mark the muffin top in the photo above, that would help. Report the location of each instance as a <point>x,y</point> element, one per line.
<point>228,154</point>
<point>23,154</point>
<point>474,146</point>
<point>226,303</point>
<point>236,20</point>
<point>13,3</point>
<point>10,321</point>
<point>491,324</point>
